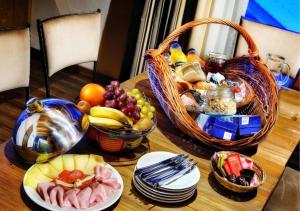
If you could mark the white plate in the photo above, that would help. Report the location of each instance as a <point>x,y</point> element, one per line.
<point>163,199</point>
<point>160,192</point>
<point>184,182</point>
<point>34,196</point>
<point>162,196</point>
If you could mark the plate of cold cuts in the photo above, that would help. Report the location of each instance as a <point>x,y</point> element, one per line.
<point>73,182</point>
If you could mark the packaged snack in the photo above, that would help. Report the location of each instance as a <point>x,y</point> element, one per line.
<point>234,163</point>
<point>191,105</point>
<point>192,72</point>
<point>203,85</point>
<point>216,78</point>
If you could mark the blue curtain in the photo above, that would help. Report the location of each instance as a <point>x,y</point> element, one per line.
<point>284,14</point>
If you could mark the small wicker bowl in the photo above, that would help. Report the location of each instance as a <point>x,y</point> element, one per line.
<point>231,186</point>
<point>115,141</point>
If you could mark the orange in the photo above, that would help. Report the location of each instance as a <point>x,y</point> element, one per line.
<point>93,94</point>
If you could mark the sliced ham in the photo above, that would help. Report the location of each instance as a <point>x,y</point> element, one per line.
<point>83,197</point>
<point>112,183</point>
<point>70,198</point>
<point>102,173</point>
<point>43,188</point>
<point>98,193</point>
<point>101,192</point>
<point>57,196</point>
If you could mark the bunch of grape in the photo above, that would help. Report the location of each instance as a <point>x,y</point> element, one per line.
<point>147,110</point>
<point>115,97</point>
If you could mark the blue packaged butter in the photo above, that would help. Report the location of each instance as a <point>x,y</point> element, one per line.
<point>248,131</point>
<point>205,122</point>
<point>246,121</point>
<point>223,129</point>
<point>247,124</point>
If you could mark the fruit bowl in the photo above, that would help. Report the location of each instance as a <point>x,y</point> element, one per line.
<point>120,140</point>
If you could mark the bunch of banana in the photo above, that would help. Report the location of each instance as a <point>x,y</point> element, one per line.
<point>108,118</point>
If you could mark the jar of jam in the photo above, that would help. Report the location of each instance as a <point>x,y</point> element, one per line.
<point>220,102</point>
<point>215,62</point>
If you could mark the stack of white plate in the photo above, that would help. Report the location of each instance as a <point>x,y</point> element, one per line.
<point>179,190</point>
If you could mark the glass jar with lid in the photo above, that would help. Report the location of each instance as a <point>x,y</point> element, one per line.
<point>215,62</point>
<point>220,102</point>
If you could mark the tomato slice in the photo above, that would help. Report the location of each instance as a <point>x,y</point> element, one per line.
<point>75,175</point>
<point>64,173</point>
<point>71,176</point>
<point>87,183</point>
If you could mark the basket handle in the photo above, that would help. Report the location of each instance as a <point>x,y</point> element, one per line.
<point>163,47</point>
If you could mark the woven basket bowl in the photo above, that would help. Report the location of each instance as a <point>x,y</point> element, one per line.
<point>234,187</point>
<point>264,99</point>
<point>115,141</point>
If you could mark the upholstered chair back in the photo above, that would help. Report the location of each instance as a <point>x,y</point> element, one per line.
<point>14,59</point>
<point>71,39</point>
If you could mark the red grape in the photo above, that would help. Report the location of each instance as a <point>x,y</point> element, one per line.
<point>130,107</point>
<point>129,114</point>
<point>136,115</point>
<point>111,103</point>
<point>130,99</point>
<point>109,88</point>
<point>115,84</point>
<point>119,91</point>
<point>108,95</point>
<point>121,104</point>
<point>123,97</point>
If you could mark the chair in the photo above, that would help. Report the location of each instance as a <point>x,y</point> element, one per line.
<point>69,40</point>
<point>15,59</point>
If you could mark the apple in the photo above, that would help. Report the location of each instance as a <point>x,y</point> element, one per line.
<point>84,106</point>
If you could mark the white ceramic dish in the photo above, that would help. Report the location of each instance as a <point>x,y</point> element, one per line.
<point>160,192</point>
<point>34,196</point>
<point>182,184</point>
<point>163,199</point>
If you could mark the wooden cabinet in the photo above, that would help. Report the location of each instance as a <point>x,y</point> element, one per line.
<point>14,13</point>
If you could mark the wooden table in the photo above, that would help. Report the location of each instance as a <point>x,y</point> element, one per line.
<point>273,154</point>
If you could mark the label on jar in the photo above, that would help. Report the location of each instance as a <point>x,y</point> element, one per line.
<point>227,136</point>
<point>245,120</point>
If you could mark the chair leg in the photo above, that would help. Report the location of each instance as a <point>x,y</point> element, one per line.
<point>27,90</point>
<point>47,86</point>
<point>94,72</point>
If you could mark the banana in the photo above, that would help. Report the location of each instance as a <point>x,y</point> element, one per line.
<point>110,113</point>
<point>105,122</point>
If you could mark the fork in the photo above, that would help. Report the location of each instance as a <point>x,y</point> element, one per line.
<point>172,176</point>
<point>155,174</point>
<point>160,165</point>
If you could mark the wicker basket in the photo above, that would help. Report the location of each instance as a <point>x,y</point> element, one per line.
<point>249,68</point>
<point>234,187</point>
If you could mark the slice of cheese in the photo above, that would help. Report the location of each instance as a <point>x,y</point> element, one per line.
<point>68,161</point>
<point>48,170</point>
<point>57,163</point>
<point>35,176</point>
<point>31,182</point>
<point>93,161</point>
<point>81,161</point>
